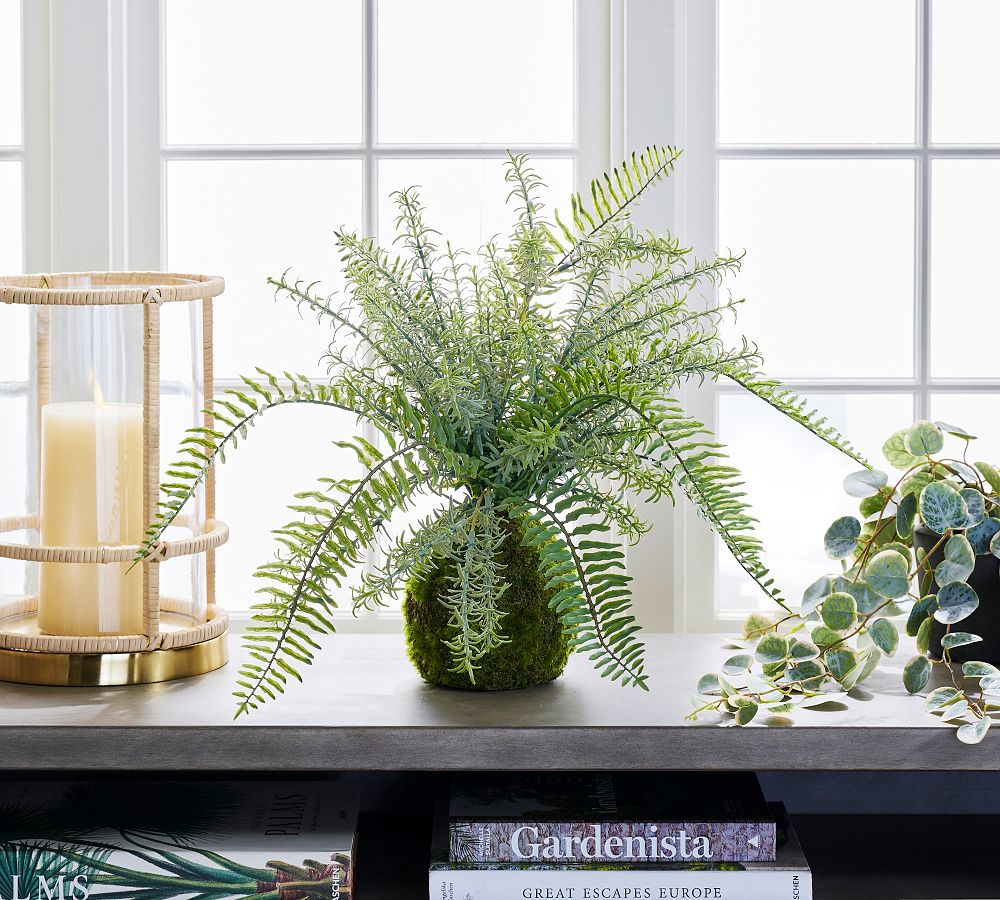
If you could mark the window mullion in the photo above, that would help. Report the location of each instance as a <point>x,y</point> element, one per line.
<point>921,318</point>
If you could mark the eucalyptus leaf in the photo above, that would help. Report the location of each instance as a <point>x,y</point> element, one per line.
<point>955,639</point>
<point>896,454</point>
<point>974,732</point>
<point>771,649</point>
<point>842,537</point>
<point>981,535</point>
<point>888,574</point>
<point>976,506</point>
<point>737,664</point>
<point>916,674</point>
<point>923,608</point>
<point>942,507</point>
<point>866,483</point>
<point>923,439</point>
<point>884,635</point>
<point>958,563</point>
<point>956,601</point>
<point>991,474</point>
<point>839,612</point>
<point>905,516</point>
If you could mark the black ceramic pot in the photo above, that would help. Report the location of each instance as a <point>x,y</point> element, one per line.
<point>985,621</point>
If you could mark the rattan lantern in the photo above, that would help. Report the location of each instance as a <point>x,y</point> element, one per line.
<point>108,370</point>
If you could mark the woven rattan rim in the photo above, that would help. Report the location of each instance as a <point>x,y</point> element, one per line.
<point>216,535</point>
<point>63,289</point>
<point>215,624</point>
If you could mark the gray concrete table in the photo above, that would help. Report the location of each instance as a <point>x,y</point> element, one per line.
<point>364,708</point>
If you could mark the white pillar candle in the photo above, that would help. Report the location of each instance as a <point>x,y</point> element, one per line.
<point>91,495</point>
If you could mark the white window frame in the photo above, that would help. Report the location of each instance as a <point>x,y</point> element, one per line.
<point>697,206</point>
<point>96,157</point>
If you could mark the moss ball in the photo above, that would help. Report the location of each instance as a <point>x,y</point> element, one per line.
<point>537,650</point>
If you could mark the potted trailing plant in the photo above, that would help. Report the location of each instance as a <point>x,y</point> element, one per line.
<point>921,557</point>
<point>534,389</point>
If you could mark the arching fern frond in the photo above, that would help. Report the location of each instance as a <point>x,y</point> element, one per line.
<point>338,519</point>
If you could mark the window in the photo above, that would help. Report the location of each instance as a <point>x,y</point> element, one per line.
<point>853,150</point>
<point>278,123</point>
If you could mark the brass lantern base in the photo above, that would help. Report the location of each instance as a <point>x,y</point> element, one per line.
<point>109,669</point>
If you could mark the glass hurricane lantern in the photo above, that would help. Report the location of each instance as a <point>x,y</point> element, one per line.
<point>105,371</point>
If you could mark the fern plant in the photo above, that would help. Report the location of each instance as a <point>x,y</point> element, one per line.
<point>537,381</point>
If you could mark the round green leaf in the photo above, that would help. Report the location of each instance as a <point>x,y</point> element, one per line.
<point>708,684</point>
<point>884,635</point>
<point>866,599</point>
<point>981,535</point>
<point>902,549</point>
<point>745,714</point>
<point>916,674</point>
<point>867,664</point>
<point>738,664</point>
<point>771,649</point>
<point>755,625</point>
<point>955,639</point>
<point>958,563</point>
<point>924,634</point>
<point>991,474</point>
<point>974,732</point>
<point>842,537</point>
<point>976,504</point>
<point>896,454</point>
<point>815,594</point>
<point>905,516</point>
<point>923,439</point>
<point>800,650</point>
<point>942,697</point>
<point>956,601</point>
<point>823,637</point>
<point>915,483</point>
<point>888,574</point>
<point>995,544</point>
<point>955,430</point>
<point>839,612</point>
<point>840,661</point>
<point>923,608</point>
<point>976,669</point>
<point>866,483</point>
<point>809,672</point>
<point>942,507</point>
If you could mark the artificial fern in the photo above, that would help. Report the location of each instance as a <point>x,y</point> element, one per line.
<point>536,381</point>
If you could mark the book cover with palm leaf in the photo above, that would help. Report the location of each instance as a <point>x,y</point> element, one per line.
<point>167,840</point>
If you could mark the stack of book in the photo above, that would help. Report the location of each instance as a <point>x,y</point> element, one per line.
<point>161,840</point>
<point>598,836</point>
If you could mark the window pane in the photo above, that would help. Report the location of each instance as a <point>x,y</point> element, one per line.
<point>797,492</point>
<point>284,454</point>
<point>829,263</point>
<point>258,72</point>
<point>494,71</point>
<point>965,69</point>
<point>839,71</point>
<point>965,307</point>
<point>250,219</point>
<point>978,413</point>
<point>10,72</point>
<point>465,199</point>
<point>11,257</point>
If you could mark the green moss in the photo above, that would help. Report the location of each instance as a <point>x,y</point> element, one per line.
<point>537,651</point>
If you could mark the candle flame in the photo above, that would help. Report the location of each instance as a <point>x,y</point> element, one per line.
<point>98,393</point>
